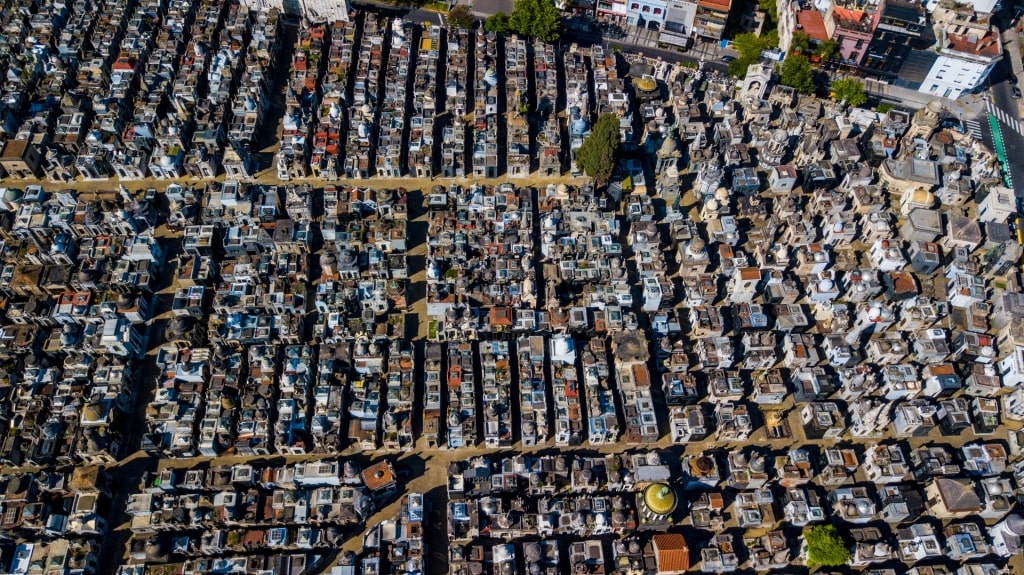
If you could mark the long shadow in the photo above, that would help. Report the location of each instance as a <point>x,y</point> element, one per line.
<point>123,481</point>
<point>269,138</point>
<point>436,536</point>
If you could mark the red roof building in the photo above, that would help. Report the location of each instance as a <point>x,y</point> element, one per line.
<point>671,553</point>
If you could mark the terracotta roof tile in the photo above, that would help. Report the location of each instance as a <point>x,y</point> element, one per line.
<point>672,552</point>
<point>813,24</point>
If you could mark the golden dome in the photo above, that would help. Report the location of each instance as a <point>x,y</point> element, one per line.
<point>660,499</point>
<point>922,197</point>
<point>645,84</point>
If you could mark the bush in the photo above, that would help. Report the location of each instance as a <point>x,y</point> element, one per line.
<point>827,50</point>
<point>885,108</point>
<point>460,17</point>
<point>825,547</point>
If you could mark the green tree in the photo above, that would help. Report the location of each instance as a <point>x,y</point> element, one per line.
<point>460,17</point>
<point>796,72</point>
<point>825,547</point>
<point>497,23</point>
<point>771,8</point>
<point>827,50</point>
<point>750,47</point>
<point>800,43</point>
<point>597,154</point>
<point>849,91</point>
<point>538,18</point>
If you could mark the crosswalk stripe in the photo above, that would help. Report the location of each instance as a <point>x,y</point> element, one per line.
<point>1004,117</point>
<point>974,127</point>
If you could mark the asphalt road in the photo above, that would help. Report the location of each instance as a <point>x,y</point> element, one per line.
<point>1013,141</point>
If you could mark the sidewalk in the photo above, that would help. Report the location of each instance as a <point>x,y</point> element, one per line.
<point>1011,46</point>
<point>969,106</point>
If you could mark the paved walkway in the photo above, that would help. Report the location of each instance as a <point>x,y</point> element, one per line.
<point>969,106</point>
<point>110,188</point>
<point>1012,48</point>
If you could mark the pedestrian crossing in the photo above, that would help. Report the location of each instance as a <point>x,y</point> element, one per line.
<point>1005,118</point>
<point>974,127</point>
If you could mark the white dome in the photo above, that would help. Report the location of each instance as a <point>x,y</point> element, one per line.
<point>563,346</point>
<point>502,553</point>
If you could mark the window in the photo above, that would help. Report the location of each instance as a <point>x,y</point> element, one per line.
<point>646,9</point>
<point>859,45</point>
<point>635,6</point>
<point>657,11</point>
<point>934,88</point>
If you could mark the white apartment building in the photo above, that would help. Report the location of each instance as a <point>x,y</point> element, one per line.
<point>968,50</point>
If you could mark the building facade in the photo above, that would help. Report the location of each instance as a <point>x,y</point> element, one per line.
<point>900,24</point>
<point>711,18</point>
<point>967,53</point>
<point>679,18</point>
<point>646,13</point>
<point>852,27</point>
<point>612,10</point>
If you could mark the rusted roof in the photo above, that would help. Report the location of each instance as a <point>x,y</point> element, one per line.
<point>378,476</point>
<point>723,5</point>
<point>813,24</point>
<point>671,552</point>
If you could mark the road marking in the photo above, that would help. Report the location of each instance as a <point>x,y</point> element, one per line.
<point>1006,118</point>
<point>974,127</point>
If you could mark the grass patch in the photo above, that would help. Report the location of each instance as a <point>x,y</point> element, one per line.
<point>439,7</point>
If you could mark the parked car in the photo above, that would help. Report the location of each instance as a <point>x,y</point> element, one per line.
<point>953,124</point>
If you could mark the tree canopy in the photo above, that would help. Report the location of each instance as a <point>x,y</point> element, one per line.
<point>825,547</point>
<point>827,50</point>
<point>597,154</point>
<point>849,91</point>
<point>796,72</point>
<point>537,18</point>
<point>771,8</point>
<point>800,43</point>
<point>460,17</point>
<point>498,23</point>
<point>750,47</point>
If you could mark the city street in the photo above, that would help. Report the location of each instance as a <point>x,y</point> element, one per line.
<point>1006,109</point>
